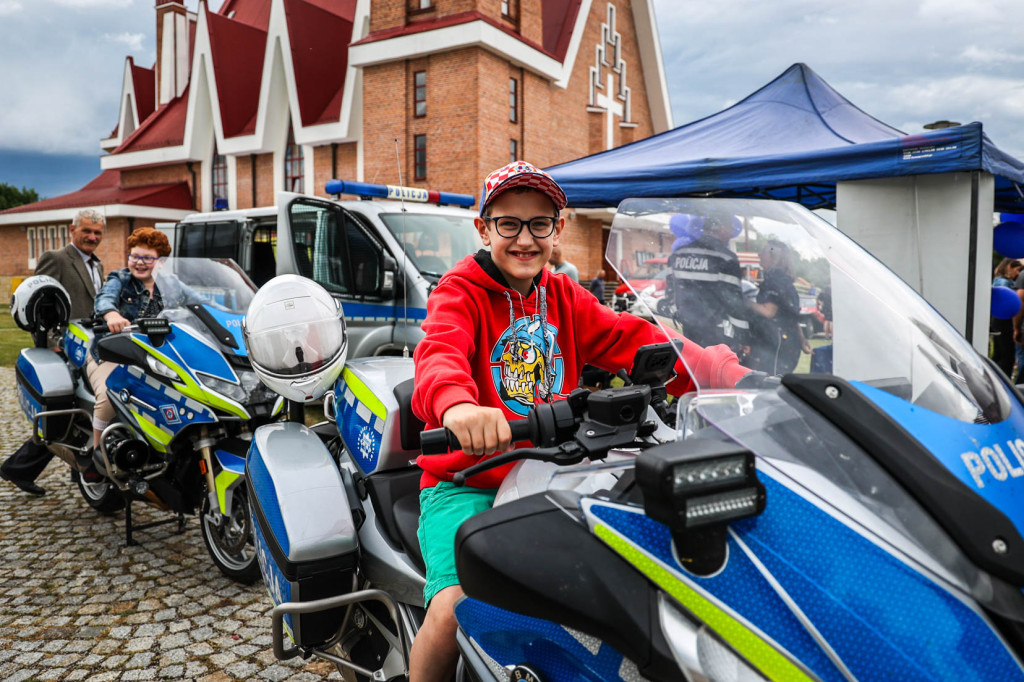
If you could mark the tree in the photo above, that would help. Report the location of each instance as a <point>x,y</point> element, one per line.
<point>11,196</point>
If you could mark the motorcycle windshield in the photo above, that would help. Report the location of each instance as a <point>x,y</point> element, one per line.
<point>217,282</point>
<point>772,281</point>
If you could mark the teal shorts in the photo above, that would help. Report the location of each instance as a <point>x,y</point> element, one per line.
<point>443,508</point>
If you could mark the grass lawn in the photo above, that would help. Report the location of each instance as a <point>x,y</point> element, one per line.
<point>12,339</point>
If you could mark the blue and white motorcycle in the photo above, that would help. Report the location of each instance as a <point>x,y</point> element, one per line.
<point>859,518</point>
<point>185,399</point>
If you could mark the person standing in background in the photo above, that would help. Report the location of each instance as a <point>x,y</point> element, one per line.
<point>80,272</point>
<point>1003,346</point>
<point>597,286</point>
<point>562,265</point>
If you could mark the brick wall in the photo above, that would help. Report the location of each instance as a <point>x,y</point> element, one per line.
<point>344,158</point>
<point>467,122</point>
<point>166,174</point>
<point>14,250</point>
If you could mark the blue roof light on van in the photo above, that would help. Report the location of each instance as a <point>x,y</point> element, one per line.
<point>372,191</point>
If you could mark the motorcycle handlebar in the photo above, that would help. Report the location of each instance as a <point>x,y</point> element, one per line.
<point>442,440</point>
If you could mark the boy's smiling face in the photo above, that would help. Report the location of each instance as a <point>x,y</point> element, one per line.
<point>522,257</point>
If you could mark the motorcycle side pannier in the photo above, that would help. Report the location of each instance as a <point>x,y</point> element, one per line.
<point>44,384</point>
<point>306,540</point>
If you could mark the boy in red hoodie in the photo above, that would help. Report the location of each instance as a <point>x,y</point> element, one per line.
<point>502,334</point>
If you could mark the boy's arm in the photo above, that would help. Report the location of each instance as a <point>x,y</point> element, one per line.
<point>446,393</point>
<point>443,374</point>
<point>609,340</point>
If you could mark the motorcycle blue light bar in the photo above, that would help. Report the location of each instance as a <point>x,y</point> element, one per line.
<point>372,191</point>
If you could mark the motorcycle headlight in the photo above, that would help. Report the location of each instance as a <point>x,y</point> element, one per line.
<point>226,388</point>
<point>160,368</point>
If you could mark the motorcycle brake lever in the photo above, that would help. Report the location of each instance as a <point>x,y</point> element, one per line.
<point>564,454</point>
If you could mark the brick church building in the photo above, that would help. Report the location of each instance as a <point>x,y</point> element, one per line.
<point>268,95</point>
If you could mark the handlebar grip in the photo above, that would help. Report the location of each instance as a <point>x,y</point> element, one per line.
<point>440,441</point>
<point>100,329</point>
<point>521,430</point>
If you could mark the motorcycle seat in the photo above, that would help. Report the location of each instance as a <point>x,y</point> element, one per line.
<point>407,519</point>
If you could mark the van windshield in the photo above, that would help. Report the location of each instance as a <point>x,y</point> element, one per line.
<point>433,242</point>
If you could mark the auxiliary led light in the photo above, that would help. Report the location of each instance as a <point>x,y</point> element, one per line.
<point>718,507</point>
<point>694,476</point>
<point>695,487</point>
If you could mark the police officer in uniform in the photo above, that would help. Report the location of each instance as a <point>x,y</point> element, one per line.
<point>704,283</point>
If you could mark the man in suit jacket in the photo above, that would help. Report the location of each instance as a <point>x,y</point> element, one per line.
<point>80,272</point>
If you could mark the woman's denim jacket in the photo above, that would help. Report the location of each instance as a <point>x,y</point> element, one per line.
<point>128,296</point>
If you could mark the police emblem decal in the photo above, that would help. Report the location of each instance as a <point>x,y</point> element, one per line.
<point>170,413</point>
<point>367,443</point>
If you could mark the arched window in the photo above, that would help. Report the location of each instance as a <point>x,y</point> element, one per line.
<point>219,179</point>
<point>293,164</point>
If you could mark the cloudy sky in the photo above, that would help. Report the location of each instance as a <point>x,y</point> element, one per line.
<point>906,62</point>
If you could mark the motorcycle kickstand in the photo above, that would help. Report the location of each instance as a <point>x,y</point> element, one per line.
<point>129,541</point>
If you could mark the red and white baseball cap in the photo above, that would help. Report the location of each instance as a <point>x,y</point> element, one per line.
<point>520,174</point>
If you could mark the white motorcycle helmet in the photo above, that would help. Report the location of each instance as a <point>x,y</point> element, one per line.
<point>40,303</point>
<point>295,334</point>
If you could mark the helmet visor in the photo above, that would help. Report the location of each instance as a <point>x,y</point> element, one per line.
<point>298,348</point>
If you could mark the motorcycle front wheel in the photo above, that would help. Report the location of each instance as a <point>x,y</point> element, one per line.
<point>101,494</point>
<point>230,543</point>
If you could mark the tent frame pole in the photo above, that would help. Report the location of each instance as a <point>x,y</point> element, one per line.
<point>972,257</point>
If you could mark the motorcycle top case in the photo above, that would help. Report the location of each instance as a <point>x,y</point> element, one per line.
<point>44,384</point>
<point>366,410</point>
<point>306,539</point>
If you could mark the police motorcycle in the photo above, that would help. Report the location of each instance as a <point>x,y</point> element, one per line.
<point>863,522</point>
<point>185,398</point>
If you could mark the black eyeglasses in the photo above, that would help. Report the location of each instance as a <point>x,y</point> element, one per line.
<point>148,260</point>
<point>509,227</point>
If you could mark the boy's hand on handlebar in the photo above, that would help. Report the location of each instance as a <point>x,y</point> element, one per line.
<point>115,321</point>
<point>480,430</point>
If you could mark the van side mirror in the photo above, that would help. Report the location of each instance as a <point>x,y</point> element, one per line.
<point>389,268</point>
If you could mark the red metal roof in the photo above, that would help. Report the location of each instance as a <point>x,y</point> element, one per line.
<point>164,128</point>
<point>237,55</point>
<point>252,12</point>
<point>559,18</point>
<point>319,44</point>
<point>144,83</point>
<point>106,189</point>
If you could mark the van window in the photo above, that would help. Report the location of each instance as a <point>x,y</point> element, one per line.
<point>333,249</point>
<point>263,258</point>
<point>209,240</point>
<point>433,242</point>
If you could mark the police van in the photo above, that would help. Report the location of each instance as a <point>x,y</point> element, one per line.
<point>380,255</point>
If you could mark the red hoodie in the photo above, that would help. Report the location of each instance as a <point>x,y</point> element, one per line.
<point>470,355</point>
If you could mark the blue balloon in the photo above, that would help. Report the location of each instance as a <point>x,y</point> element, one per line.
<point>1008,239</point>
<point>687,228</point>
<point>1005,303</point>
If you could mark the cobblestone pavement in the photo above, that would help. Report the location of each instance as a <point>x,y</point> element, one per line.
<point>76,604</point>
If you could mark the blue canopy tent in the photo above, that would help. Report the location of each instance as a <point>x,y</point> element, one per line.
<point>793,140</point>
